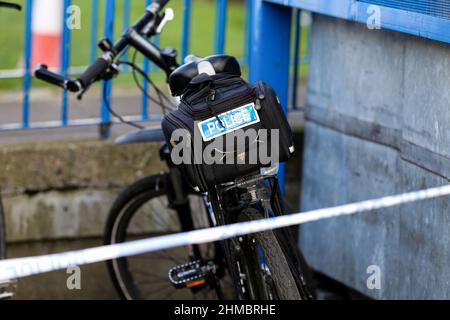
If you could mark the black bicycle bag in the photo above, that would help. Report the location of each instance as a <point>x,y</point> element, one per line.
<point>225,128</point>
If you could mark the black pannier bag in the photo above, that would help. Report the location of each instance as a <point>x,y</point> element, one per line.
<point>217,133</point>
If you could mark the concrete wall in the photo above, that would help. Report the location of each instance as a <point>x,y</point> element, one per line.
<point>57,197</point>
<point>378,124</point>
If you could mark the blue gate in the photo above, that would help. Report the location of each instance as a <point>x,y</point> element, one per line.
<point>109,15</point>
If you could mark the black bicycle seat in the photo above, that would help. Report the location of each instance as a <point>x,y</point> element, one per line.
<point>182,76</point>
<point>151,134</point>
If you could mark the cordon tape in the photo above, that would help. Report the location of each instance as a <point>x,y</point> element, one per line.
<point>23,267</point>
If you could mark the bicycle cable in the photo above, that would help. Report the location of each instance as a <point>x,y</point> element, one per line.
<point>135,68</point>
<point>115,114</point>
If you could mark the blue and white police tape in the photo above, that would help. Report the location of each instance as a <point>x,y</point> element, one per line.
<point>23,267</point>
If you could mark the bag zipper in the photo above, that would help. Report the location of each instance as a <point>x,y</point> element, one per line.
<point>198,94</point>
<point>216,108</point>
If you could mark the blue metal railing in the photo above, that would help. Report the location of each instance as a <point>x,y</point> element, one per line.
<point>65,62</point>
<point>109,13</point>
<point>27,72</point>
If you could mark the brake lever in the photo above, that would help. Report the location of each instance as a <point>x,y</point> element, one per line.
<point>81,94</point>
<point>169,15</point>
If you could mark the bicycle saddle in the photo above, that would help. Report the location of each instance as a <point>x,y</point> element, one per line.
<point>211,65</point>
<point>151,134</point>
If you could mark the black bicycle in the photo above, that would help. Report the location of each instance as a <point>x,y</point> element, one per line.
<point>263,266</point>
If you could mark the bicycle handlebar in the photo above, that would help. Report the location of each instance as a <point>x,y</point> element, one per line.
<point>48,76</point>
<point>93,72</point>
<point>135,37</point>
<point>10,5</point>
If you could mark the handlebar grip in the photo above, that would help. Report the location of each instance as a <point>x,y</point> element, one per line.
<point>46,75</point>
<point>93,72</point>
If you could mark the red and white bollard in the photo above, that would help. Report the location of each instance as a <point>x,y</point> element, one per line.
<point>47,32</point>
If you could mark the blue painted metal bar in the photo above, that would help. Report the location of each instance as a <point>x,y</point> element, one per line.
<point>221,25</point>
<point>27,64</point>
<point>338,8</point>
<point>94,31</point>
<point>126,11</point>
<point>185,37</point>
<point>146,69</point>
<point>270,51</point>
<point>414,23</point>
<point>110,9</point>
<point>297,53</point>
<point>65,60</point>
<point>72,123</point>
<point>247,33</point>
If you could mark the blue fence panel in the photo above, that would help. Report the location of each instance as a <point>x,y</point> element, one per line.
<point>126,12</point>
<point>108,32</point>
<point>94,32</point>
<point>221,25</point>
<point>297,59</point>
<point>146,68</point>
<point>247,31</point>
<point>109,13</point>
<point>437,8</point>
<point>27,63</point>
<point>424,18</point>
<point>185,38</point>
<point>270,51</point>
<point>65,60</point>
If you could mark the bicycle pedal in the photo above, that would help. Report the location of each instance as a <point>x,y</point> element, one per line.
<point>191,275</point>
<point>7,289</point>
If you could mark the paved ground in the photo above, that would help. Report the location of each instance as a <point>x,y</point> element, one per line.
<point>46,106</point>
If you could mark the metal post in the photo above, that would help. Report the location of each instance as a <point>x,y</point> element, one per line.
<point>247,36</point>
<point>296,61</point>
<point>221,26</point>
<point>126,9</point>
<point>27,76</point>
<point>146,69</point>
<point>185,38</point>
<point>65,60</point>
<point>94,32</point>
<point>270,50</point>
<point>105,127</point>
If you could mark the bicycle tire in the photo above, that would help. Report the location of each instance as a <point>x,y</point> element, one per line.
<point>286,270</point>
<point>131,199</point>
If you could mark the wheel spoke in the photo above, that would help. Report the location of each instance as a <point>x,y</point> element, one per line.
<point>149,217</point>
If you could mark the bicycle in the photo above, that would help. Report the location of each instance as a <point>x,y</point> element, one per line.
<point>6,287</point>
<point>264,266</point>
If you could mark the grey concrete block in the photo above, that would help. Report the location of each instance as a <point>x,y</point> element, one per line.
<point>409,243</point>
<point>57,215</point>
<point>400,82</point>
<point>44,166</point>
